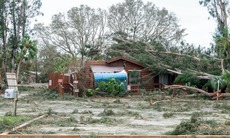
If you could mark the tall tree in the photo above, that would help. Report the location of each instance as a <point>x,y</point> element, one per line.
<point>80,33</point>
<point>28,50</point>
<point>89,28</point>
<point>218,9</point>
<point>16,17</point>
<point>4,11</point>
<point>145,22</point>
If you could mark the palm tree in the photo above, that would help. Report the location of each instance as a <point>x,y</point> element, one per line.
<point>27,51</point>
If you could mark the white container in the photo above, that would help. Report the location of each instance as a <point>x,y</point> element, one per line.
<point>9,93</point>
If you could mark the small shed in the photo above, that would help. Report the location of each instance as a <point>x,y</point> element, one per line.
<point>67,81</point>
<point>135,75</point>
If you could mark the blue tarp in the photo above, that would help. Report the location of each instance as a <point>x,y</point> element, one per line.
<point>105,76</point>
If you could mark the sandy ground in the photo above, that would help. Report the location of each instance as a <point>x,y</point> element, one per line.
<point>124,116</point>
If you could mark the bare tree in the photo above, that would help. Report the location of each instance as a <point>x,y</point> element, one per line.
<point>88,27</point>
<point>80,33</point>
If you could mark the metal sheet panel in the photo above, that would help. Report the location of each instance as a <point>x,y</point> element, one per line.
<point>105,69</point>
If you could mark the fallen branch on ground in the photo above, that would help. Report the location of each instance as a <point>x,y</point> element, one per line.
<point>23,125</point>
<point>214,95</point>
<point>187,87</point>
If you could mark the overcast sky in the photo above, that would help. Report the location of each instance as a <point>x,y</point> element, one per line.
<point>192,16</point>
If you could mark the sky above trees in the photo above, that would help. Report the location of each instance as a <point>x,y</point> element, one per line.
<point>192,16</point>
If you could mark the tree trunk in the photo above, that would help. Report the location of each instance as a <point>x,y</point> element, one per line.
<point>222,65</point>
<point>14,38</point>
<point>82,58</point>
<point>18,70</point>
<point>12,61</point>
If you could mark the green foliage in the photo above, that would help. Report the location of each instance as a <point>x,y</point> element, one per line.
<point>214,83</point>
<point>168,115</point>
<point>224,81</point>
<point>112,87</point>
<point>28,48</point>
<point>107,112</point>
<point>60,65</point>
<point>187,127</point>
<point>227,122</point>
<point>49,94</point>
<point>187,78</point>
<point>90,92</point>
<point>225,78</point>
<point>50,111</point>
<point>134,77</point>
<point>8,122</point>
<point>195,126</point>
<point>16,17</point>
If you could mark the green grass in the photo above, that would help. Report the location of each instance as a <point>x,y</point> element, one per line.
<point>8,122</point>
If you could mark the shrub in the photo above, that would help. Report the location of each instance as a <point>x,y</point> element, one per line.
<point>112,87</point>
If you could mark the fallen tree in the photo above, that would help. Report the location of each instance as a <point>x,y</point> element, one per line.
<point>214,95</point>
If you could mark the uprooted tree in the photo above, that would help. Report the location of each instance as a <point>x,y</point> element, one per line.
<point>191,63</point>
<point>139,31</point>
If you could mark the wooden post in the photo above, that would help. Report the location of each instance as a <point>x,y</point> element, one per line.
<point>75,82</point>
<point>60,87</point>
<point>15,103</point>
<point>12,84</point>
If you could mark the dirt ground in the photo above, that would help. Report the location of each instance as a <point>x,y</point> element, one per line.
<point>133,115</point>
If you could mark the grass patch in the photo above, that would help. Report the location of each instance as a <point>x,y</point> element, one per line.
<point>8,122</point>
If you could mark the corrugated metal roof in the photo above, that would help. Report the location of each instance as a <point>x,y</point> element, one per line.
<point>107,69</point>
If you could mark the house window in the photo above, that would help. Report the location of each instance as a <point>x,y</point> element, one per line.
<point>164,79</point>
<point>134,76</point>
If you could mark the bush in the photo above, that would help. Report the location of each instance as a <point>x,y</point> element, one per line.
<point>112,87</point>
